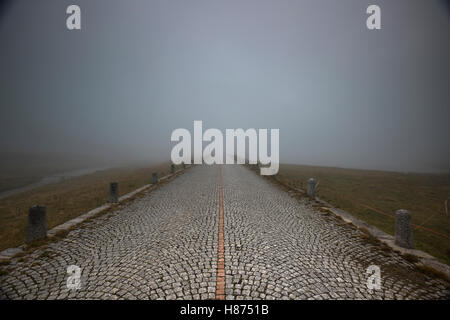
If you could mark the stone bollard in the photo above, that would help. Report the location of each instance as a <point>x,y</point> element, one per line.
<point>172,168</point>
<point>37,224</point>
<point>154,177</point>
<point>310,188</point>
<point>403,229</point>
<point>113,192</point>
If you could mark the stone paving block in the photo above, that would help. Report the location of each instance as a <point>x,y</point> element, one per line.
<point>163,245</point>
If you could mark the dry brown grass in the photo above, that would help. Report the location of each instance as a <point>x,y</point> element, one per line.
<point>69,199</point>
<point>422,194</point>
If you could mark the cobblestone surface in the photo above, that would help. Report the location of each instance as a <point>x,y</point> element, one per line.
<point>163,245</point>
<point>277,247</point>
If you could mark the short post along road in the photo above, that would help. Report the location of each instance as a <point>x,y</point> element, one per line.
<point>165,245</point>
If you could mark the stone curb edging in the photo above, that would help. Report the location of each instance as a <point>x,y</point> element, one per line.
<point>424,258</point>
<point>10,253</point>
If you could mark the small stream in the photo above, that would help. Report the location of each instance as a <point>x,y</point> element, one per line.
<point>50,180</point>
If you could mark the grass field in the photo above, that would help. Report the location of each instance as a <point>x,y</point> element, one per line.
<point>21,169</point>
<point>356,190</point>
<point>68,199</point>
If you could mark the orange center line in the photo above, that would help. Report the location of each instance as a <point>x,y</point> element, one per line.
<point>220,281</point>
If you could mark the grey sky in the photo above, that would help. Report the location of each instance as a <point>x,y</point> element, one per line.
<point>340,94</point>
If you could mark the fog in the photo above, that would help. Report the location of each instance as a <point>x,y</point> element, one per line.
<point>341,95</point>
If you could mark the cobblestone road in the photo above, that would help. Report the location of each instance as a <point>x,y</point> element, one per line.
<point>164,245</point>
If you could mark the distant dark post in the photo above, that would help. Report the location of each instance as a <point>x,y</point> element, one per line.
<point>311,188</point>
<point>113,192</point>
<point>37,224</point>
<point>172,168</point>
<point>154,177</point>
<point>403,229</point>
<point>184,165</point>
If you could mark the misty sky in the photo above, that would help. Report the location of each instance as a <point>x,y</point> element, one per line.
<point>340,94</point>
